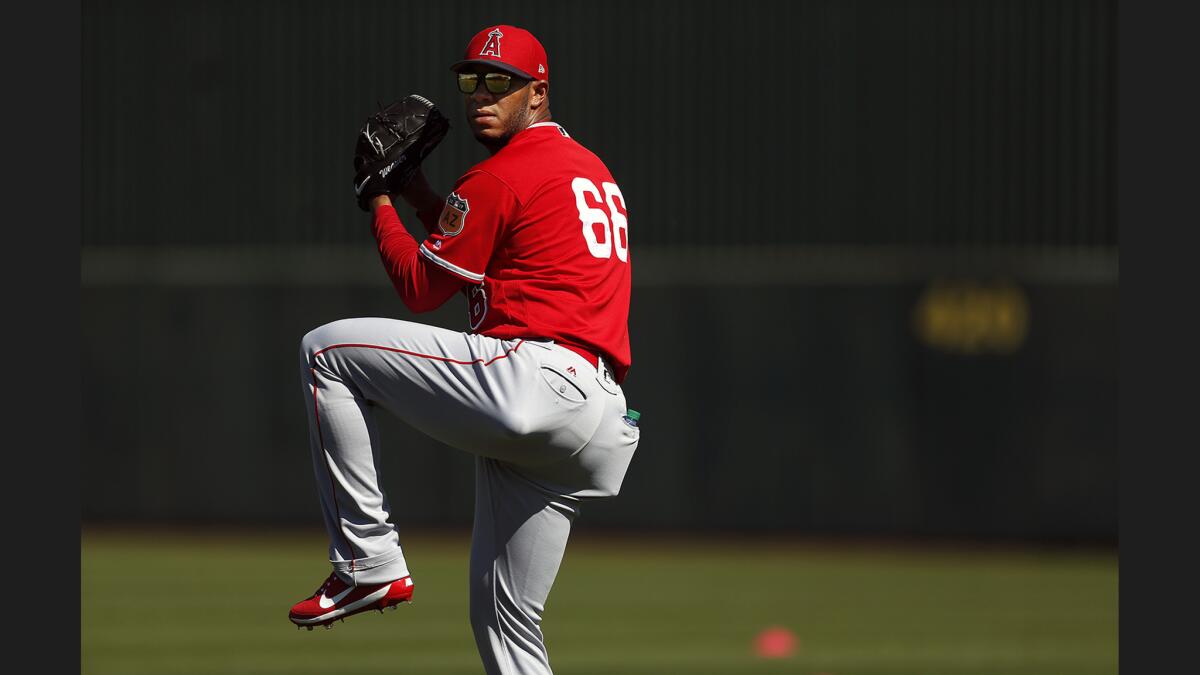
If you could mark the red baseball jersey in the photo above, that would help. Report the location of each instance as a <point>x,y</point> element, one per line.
<point>541,232</point>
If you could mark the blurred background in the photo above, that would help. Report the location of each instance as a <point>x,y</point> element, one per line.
<point>875,266</point>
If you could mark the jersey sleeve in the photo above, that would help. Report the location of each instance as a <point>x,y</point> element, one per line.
<point>422,285</point>
<point>471,225</point>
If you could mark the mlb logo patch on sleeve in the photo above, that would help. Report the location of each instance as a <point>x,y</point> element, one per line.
<point>454,215</point>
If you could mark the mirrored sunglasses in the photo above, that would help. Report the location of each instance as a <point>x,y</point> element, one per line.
<point>497,83</point>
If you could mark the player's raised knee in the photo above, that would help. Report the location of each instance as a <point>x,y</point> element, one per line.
<point>318,339</point>
<point>310,344</point>
<point>322,337</point>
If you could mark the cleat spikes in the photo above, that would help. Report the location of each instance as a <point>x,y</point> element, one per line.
<point>309,627</point>
<point>329,625</point>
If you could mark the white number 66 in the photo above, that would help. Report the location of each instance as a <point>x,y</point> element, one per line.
<point>616,235</point>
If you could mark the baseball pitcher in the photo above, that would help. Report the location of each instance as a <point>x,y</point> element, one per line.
<point>536,237</point>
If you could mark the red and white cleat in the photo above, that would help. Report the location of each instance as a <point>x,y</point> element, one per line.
<point>336,599</point>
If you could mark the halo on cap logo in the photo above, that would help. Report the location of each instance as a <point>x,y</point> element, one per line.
<point>454,215</point>
<point>492,46</point>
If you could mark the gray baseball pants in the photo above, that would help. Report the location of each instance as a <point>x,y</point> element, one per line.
<point>546,428</point>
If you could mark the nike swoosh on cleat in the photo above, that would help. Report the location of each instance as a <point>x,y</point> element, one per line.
<point>326,603</point>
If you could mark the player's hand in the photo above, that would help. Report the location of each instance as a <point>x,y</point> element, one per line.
<point>370,183</point>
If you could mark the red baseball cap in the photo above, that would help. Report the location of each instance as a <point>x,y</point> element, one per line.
<point>507,48</point>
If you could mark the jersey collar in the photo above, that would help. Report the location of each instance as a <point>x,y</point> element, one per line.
<point>560,128</point>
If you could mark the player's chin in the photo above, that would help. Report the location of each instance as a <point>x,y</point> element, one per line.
<point>488,134</point>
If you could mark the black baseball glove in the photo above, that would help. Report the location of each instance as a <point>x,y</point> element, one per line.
<point>392,144</point>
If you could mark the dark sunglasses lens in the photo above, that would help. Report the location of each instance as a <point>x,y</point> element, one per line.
<point>467,82</point>
<point>497,83</point>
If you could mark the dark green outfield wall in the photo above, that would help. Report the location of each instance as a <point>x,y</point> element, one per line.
<point>805,408</point>
<point>802,179</point>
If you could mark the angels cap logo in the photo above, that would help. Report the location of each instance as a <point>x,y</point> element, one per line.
<point>541,69</point>
<point>454,215</point>
<point>492,46</point>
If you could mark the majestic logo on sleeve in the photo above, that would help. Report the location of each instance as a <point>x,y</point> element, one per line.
<point>454,215</point>
<point>492,47</point>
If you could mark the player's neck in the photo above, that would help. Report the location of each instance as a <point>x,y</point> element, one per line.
<point>496,146</point>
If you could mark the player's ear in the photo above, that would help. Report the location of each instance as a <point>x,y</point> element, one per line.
<point>539,90</point>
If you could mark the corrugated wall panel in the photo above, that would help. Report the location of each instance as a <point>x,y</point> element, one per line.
<point>873,122</point>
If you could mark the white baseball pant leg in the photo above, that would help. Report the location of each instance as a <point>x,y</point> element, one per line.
<point>544,424</point>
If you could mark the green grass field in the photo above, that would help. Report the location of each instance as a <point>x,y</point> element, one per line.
<point>161,603</point>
